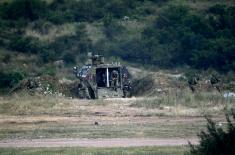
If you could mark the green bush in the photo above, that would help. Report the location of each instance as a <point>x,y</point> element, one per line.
<point>216,141</point>
<point>67,48</point>
<point>69,58</point>
<point>88,10</point>
<point>26,9</point>
<point>48,70</point>
<point>113,29</point>
<point>7,58</point>
<point>60,17</point>
<point>25,44</point>
<point>180,36</point>
<point>48,55</point>
<point>10,79</point>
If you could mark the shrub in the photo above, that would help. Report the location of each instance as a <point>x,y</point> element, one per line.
<point>48,70</point>
<point>48,55</point>
<point>143,86</point>
<point>113,29</point>
<point>25,44</point>
<point>60,17</point>
<point>10,79</point>
<point>26,9</point>
<point>117,8</point>
<point>7,58</point>
<point>69,58</point>
<point>216,141</point>
<point>180,36</point>
<point>42,26</point>
<point>88,11</point>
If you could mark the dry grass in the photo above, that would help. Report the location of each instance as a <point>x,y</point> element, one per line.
<point>186,103</point>
<point>94,32</point>
<point>98,151</point>
<point>52,31</point>
<point>50,116</point>
<point>174,113</point>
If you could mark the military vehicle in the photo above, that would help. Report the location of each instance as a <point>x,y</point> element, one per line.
<point>101,80</point>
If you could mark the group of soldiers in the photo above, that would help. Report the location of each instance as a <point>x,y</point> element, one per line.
<point>214,81</point>
<point>114,80</point>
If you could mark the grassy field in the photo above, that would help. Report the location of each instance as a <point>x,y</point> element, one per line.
<point>59,117</point>
<point>168,129</point>
<point>175,113</point>
<point>97,151</point>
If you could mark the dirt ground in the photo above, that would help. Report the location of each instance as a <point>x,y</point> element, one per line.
<point>118,142</point>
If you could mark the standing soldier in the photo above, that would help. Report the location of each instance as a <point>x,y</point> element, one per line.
<point>215,82</point>
<point>192,82</point>
<point>114,79</point>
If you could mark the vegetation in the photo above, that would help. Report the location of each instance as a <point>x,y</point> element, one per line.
<point>159,33</point>
<point>185,98</point>
<point>97,151</point>
<point>180,36</point>
<point>216,140</point>
<point>59,117</point>
<point>9,80</point>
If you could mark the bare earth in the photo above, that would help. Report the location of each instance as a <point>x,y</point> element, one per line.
<point>116,142</point>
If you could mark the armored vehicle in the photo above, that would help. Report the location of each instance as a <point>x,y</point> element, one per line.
<point>101,80</point>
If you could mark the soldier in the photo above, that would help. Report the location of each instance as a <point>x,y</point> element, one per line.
<point>104,79</point>
<point>32,83</point>
<point>127,89</point>
<point>114,79</point>
<point>83,91</point>
<point>215,82</point>
<point>192,82</point>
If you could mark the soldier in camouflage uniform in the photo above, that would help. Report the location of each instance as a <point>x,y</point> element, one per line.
<point>192,82</point>
<point>33,83</point>
<point>114,79</point>
<point>215,82</point>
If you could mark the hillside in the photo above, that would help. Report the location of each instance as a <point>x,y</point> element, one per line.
<point>36,34</point>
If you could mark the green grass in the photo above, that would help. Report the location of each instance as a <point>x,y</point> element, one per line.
<point>96,151</point>
<point>162,129</point>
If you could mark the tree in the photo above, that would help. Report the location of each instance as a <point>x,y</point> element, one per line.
<point>216,141</point>
<point>26,9</point>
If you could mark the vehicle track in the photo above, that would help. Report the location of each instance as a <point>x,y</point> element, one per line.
<point>116,142</point>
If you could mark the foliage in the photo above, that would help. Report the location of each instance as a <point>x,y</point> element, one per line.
<point>25,44</point>
<point>113,29</point>
<point>26,9</point>
<point>91,10</point>
<point>7,58</point>
<point>10,79</point>
<point>143,85</point>
<point>67,47</point>
<point>48,55</point>
<point>216,141</point>
<point>48,70</point>
<point>180,36</point>
<point>69,58</point>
